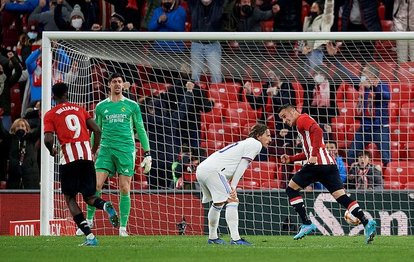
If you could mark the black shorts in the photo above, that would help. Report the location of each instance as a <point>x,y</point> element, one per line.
<point>78,177</point>
<point>327,175</point>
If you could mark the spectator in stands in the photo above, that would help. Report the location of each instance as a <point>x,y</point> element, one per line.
<point>35,35</point>
<point>188,100</point>
<point>8,78</point>
<point>23,48</point>
<point>46,19</point>
<point>320,20</point>
<point>24,172</point>
<point>333,150</point>
<point>118,24</point>
<point>76,20</point>
<point>131,10</point>
<point>245,16</point>
<point>373,100</point>
<point>206,16</point>
<point>403,19</point>
<point>360,16</point>
<point>318,94</point>
<point>288,19</point>
<point>169,17</point>
<point>364,175</point>
<point>25,7</point>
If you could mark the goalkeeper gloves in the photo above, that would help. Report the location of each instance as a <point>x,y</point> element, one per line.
<point>147,162</point>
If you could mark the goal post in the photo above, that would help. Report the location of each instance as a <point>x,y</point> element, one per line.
<point>84,60</point>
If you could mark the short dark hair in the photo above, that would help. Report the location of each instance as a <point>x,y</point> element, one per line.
<point>115,75</point>
<point>257,130</point>
<point>59,89</point>
<point>364,153</point>
<point>332,142</point>
<point>285,106</point>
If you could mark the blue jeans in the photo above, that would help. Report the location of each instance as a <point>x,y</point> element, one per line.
<point>206,53</point>
<point>315,58</point>
<point>380,135</point>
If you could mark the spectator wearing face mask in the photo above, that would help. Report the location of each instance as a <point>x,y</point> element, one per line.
<point>246,16</point>
<point>76,18</point>
<point>117,23</point>
<point>321,19</point>
<point>169,17</point>
<point>24,172</point>
<point>35,35</point>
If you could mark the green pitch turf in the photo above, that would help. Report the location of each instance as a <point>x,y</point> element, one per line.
<point>195,248</point>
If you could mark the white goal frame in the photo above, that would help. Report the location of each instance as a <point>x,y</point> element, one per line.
<point>47,165</point>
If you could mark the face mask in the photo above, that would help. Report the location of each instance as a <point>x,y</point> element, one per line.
<point>363,78</point>
<point>167,6</point>
<point>77,23</point>
<point>319,78</point>
<point>20,134</point>
<point>32,35</point>
<point>247,9</point>
<point>206,2</point>
<point>313,15</point>
<point>114,26</point>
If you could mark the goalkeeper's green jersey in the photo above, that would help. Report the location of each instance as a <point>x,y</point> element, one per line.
<point>118,121</point>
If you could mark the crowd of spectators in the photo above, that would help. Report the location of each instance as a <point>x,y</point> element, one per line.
<point>22,24</point>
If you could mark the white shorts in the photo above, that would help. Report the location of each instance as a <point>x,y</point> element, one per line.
<point>214,186</point>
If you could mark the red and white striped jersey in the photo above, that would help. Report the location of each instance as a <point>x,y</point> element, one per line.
<point>68,121</point>
<point>311,135</point>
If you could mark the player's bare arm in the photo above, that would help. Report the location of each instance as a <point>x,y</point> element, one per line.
<point>49,144</point>
<point>97,133</point>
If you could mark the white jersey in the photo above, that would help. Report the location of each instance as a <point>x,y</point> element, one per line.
<point>226,160</point>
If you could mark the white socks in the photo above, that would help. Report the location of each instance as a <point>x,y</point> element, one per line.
<point>232,219</point>
<point>213,221</point>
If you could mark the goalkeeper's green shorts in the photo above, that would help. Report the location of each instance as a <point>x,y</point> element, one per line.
<point>111,161</point>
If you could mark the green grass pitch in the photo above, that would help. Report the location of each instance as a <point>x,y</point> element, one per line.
<point>195,248</point>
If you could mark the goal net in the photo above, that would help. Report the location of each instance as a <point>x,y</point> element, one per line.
<point>357,86</point>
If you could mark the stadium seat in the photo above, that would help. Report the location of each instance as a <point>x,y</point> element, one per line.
<point>393,185</point>
<point>153,88</point>
<point>348,109</point>
<point>267,25</point>
<point>405,72</point>
<point>386,25</point>
<point>407,112</point>
<point>274,184</point>
<point>305,11</point>
<point>398,151</point>
<point>240,113</point>
<point>245,130</point>
<point>271,123</point>
<point>375,153</point>
<point>401,93</point>
<point>224,93</point>
<point>385,50</point>
<point>299,95</point>
<point>189,177</point>
<point>214,116</point>
<point>345,93</point>
<point>343,130</point>
<point>402,132</point>
<point>354,67</point>
<point>248,184</point>
<point>409,146</point>
<point>387,70</point>
<point>224,132</point>
<point>394,111</point>
<point>212,146</point>
<point>381,12</point>
<point>409,185</point>
<point>261,171</point>
<point>401,171</point>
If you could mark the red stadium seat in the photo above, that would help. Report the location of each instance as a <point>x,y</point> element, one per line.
<point>224,132</point>
<point>348,109</point>
<point>212,146</point>
<point>248,184</point>
<point>343,130</point>
<point>401,93</point>
<point>381,12</point>
<point>401,171</point>
<point>409,185</point>
<point>261,171</point>
<point>409,146</point>
<point>240,113</point>
<point>345,93</point>
<point>299,95</point>
<point>267,25</point>
<point>154,88</point>
<point>393,185</point>
<point>214,116</point>
<point>224,93</point>
<point>394,111</point>
<point>245,130</point>
<point>274,184</point>
<point>407,113</point>
<point>386,25</point>
<point>402,132</point>
<point>405,72</point>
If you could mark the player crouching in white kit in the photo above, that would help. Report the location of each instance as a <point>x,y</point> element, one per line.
<point>219,175</point>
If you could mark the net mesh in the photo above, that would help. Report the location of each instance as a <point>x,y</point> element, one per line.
<point>182,132</point>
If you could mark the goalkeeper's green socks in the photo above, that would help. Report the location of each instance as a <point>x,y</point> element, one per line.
<point>90,210</point>
<point>124,209</point>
